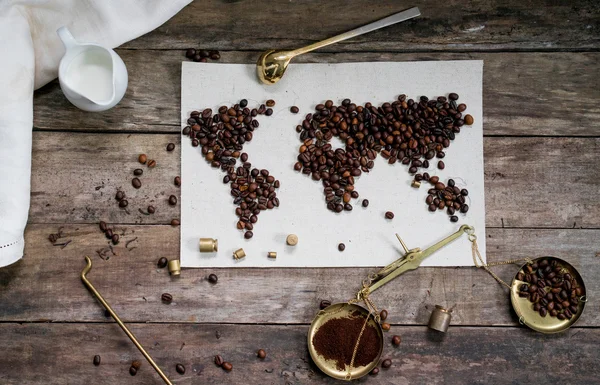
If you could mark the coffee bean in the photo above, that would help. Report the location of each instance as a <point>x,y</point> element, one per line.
<point>138,172</point>
<point>227,366</point>
<point>102,225</point>
<point>270,103</point>
<point>453,218</point>
<point>190,53</point>
<point>180,368</point>
<point>132,371</point>
<point>123,203</point>
<point>468,120</point>
<point>215,55</point>
<point>386,363</point>
<point>108,233</point>
<point>115,239</point>
<point>177,181</point>
<point>365,202</point>
<point>142,158</point>
<point>170,147</point>
<point>543,311</point>
<point>341,247</point>
<point>248,234</point>
<point>389,215</point>
<point>135,182</point>
<point>464,208</point>
<point>261,354</point>
<point>294,109</point>
<point>219,360</point>
<point>97,360</point>
<point>162,262</point>
<point>396,340</point>
<point>561,316</point>
<point>441,165</point>
<point>324,303</point>
<point>212,278</point>
<point>374,372</point>
<point>172,200</point>
<point>166,298</point>
<point>151,209</point>
<point>386,326</point>
<point>383,314</point>
<point>136,364</point>
<point>151,163</point>
<point>175,222</point>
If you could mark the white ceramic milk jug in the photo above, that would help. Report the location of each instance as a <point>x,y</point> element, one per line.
<point>92,77</point>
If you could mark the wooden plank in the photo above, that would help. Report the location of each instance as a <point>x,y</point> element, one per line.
<point>45,285</point>
<point>524,93</point>
<point>451,25</point>
<point>530,182</point>
<point>62,354</point>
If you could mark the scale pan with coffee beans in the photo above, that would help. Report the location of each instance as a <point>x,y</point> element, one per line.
<point>548,295</point>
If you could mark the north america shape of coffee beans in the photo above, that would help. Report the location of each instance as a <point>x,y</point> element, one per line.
<point>411,132</point>
<point>221,137</point>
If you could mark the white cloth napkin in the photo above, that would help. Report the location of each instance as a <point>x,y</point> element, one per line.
<point>30,52</point>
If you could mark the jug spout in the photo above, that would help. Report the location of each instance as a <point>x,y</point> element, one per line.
<point>65,36</point>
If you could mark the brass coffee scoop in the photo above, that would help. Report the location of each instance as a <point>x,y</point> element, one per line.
<point>410,261</point>
<point>271,65</point>
<point>89,285</point>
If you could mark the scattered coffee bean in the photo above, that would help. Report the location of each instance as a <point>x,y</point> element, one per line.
<point>243,103</point>
<point>441,165</point>
<point>151,209</point>
<point>136,364</point>
<point>386,326</point>
<point>151,163</point>
<point>172,200</point>
<point>119,195</point>
<point>341,247</point>
<point>177,181</point>
<point>219,360</point>
<point>142,158</point>
<point>324,303</point>
<point>170,147</point>
<point>180,368</point>
<point>212,278</point>
<point>132,371</point>
<point>123,203</point>
<point>175,222</point>
<point>386,363</point>
<point>383,314</point>
<point>294,109</point>
<point>389,215</point>
<point>469,120</point>
<point>227,366</point>
<point>365,203</point>
<point>96,360</point>
<point>108,233</point>
<point>103,226</point>
<point>396,340</point>
<point>135,182</point>
<point>248,234</point>
<point>166,298</point>
<point>215,55</point>
<point>190,53</point>
<point>162,262</point>
<point>261,354</point>
<point>270,103</point>
<point>138,172</point>
<point>374,372</point>
<point>115,239</point>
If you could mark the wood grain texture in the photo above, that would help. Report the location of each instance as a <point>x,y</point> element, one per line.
<point>450,26</point>
<point>530,182</point>
<point>462,356</point>
<point>524,93</point>
<point>45,285</point>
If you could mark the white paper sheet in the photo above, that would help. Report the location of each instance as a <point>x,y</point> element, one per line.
<point>207,208</point>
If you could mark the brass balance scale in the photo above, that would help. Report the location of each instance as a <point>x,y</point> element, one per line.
<point>410,261</point>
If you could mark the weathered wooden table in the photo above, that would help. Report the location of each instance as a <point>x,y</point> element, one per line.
<point>542,152</point>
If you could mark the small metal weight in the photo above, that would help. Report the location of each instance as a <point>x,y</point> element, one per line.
<point>208,245</point>
<point>440,319</point>
<point>174,267</point>
<point>239,254</point>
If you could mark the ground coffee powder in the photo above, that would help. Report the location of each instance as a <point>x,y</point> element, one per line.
<point>335,340</point>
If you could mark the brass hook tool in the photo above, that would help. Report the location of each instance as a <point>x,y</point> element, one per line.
<point>89,285</point>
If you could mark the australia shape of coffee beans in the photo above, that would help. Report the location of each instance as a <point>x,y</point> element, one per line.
<point>411,132</point>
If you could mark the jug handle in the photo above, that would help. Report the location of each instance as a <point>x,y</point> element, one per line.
<point>65,36</point>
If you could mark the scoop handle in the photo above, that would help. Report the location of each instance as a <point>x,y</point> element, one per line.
<point>386,21</point>
<point>66,37</point>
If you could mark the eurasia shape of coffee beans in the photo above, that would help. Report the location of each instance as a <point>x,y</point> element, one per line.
<point>407,131</point>
<point>221,138</point>
<point>556,292</point>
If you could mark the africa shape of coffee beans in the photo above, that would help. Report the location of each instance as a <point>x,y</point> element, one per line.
<point>221,137</point>
<point>406,131</point>
<point>551,288</point>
